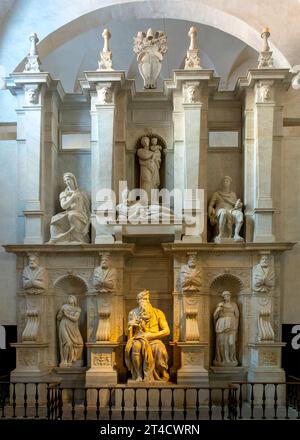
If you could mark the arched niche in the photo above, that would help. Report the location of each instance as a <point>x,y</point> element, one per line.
<point>71,284</point>
<point>235,286</point>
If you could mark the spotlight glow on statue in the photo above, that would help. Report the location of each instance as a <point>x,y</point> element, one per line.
<point>145,354</point>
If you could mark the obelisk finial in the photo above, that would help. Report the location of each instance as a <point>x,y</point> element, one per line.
<point>265,59</point>
<point>33,62</point>
<point>106,55</point>
<point>192,60</point>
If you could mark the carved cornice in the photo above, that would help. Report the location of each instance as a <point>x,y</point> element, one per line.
<point>121,248</point>
<point>230,247</point>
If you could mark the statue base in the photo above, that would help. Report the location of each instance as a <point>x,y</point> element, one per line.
<point>228,240</point>
<point>71,377</point>
<point>265,366</point>
<point>31,359</point>
<point>101,360</point>
<point>192,371</point>
<point>131,383</point>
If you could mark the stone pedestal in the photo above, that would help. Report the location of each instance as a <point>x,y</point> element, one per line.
<point>71,377</point>
<point>227,374</point>
<point>192,371</point>
<point>265,366</point>
<point>102,371</point>
<point>31,367</point>
<point>101,360</point>
<point>31,361</point>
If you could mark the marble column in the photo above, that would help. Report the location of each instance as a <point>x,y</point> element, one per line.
<point>30,89</point>
<point>263,130</point>
<point>263,119</point>
<point>190,103</point>
<point>103,88</point>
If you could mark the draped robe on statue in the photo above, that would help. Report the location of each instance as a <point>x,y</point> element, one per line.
<point>34,278</point>
<point>105,279</point>
<point>263,278</point>
<point>224,200</point>
<point>70,339</point>
<point>190,278</point>
<point>73,224</point>
<point>226,317</point>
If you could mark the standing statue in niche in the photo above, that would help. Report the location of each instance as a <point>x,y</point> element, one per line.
<point>190,276</point>
<point>145,354</point>
<point>156,148</point>
<point>70,339</point>
<point>105,276</point>
<point>263,275</point>
<point>226,320</point>
<point>34,275</point>
<point>225,211</point>
<point>71,226</point>
<point>150,161</point>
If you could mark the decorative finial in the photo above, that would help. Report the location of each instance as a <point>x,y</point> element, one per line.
<point>106,54</point>
<point>33,62</point>
<point>265,59</point>
<point>192,60</point>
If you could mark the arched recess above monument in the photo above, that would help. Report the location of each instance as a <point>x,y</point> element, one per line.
<point>69,61</point>
<point>64,25</point>
<point>247,59</point>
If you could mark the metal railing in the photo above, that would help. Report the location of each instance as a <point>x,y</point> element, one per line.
<point>238,400</point>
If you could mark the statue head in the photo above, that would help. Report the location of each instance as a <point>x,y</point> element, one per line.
<point>226,183</point>
<point>265,93</point>
<point>143,297</point>
<point>32,94</point>
<point>105,95</point>
<point>154,141</point>
<point>33,261</point>
<point>192,261</point>
<point>264,260</point>
<point>145,142</point>
<point>105,260</point>
<point>226,296</point>
<point>72,300</point>
<point>70,181</point>
<point>191,92</point>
